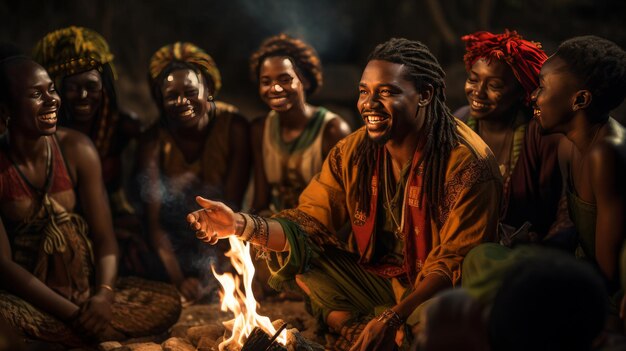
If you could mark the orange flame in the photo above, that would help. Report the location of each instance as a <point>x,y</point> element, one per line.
<point>242,304</point>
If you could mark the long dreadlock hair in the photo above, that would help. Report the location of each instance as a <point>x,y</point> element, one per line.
<point>422,68</point>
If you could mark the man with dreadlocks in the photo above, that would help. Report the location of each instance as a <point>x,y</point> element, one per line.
<point>79,61</point>
<point>419,189</point>
<point>502,72</point>
<point>199,146</point>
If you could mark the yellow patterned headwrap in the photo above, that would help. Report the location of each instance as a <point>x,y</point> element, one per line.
<point>72,50</point>
<point>188,53</point>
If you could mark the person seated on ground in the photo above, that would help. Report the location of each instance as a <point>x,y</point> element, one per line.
<point>291,142</point>
<point>418,187</point>
<point>58,268</point>
<point>502,72</point>
<point>578,87</point>
<point>200,146</point>
<point>452,321</point>
<point>548,301</point>
<point>81,65</point>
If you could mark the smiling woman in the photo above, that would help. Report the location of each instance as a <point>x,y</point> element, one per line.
<point>58,267</point>
<point>199,146</point>
<point>502,72</point>
<point>81,65</point>
<point>290,143</point>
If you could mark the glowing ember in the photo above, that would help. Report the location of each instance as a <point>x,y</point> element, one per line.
<point>242,304</point>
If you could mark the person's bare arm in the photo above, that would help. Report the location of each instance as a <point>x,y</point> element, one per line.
<point>17,280</point>
<point>607,170</point>
<point>378,336</point>
<point>217,221</point>
<point>238,173</point>
<point>148,170</point>
<point>80,153</point>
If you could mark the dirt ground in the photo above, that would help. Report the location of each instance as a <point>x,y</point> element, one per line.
<point>200,324</point>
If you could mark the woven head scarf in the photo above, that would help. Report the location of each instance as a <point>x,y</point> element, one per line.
<point>72,50</point>
<point>187,53</point>
<point>524,57</point>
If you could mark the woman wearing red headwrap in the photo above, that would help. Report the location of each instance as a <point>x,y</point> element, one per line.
<point>502,72</point>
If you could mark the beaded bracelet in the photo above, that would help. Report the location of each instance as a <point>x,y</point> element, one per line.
<point>255,229</point>
<point>391,318</point>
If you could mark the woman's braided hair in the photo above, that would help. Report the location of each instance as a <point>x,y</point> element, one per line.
<point>423,69</point>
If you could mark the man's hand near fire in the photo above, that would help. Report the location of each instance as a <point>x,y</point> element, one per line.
<point>217,221</point>
<point>213,222</point>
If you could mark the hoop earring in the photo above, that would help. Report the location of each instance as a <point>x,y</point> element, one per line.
<point>213,112</point>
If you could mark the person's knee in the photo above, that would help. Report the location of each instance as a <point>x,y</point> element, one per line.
<point>336,319</point>
<point>302,284</point>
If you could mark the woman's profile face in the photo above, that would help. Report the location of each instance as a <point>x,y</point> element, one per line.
<point>34,100</point>
<point>492,90</point>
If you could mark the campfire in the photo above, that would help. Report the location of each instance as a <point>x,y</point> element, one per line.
<point>243,305</point>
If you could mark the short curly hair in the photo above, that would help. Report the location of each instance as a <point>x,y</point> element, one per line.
<point>601,67</point>
<point>302,55</point>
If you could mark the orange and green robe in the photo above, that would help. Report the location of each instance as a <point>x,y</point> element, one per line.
<point>354,273</point>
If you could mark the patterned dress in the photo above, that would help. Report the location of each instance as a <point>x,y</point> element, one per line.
<point>52,243</point>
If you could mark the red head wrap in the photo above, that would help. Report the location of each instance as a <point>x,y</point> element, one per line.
<point>524,57</point>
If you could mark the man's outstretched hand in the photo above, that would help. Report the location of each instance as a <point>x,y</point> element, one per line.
<point>213,222</point>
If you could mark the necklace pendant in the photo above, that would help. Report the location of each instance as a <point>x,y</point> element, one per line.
<point>398,233</point>
<point>502,169</point>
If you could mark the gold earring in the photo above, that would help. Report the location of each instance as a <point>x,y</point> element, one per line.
<point>210,98</point>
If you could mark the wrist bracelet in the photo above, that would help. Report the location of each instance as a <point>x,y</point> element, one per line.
<point>256,229</point>
<point>239,230</point>
<point>107,287</point>
<point>391,318</point>
<point>248,227</point>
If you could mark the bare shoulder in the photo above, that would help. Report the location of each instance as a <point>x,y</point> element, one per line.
<point>608,157</point>
<point>612,147</point>
<point>616,139</point>
<point>70,139</point>
<point>78,150</point>
<point>336,129</point>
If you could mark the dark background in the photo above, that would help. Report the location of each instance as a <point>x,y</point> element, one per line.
<point>343,32</point>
